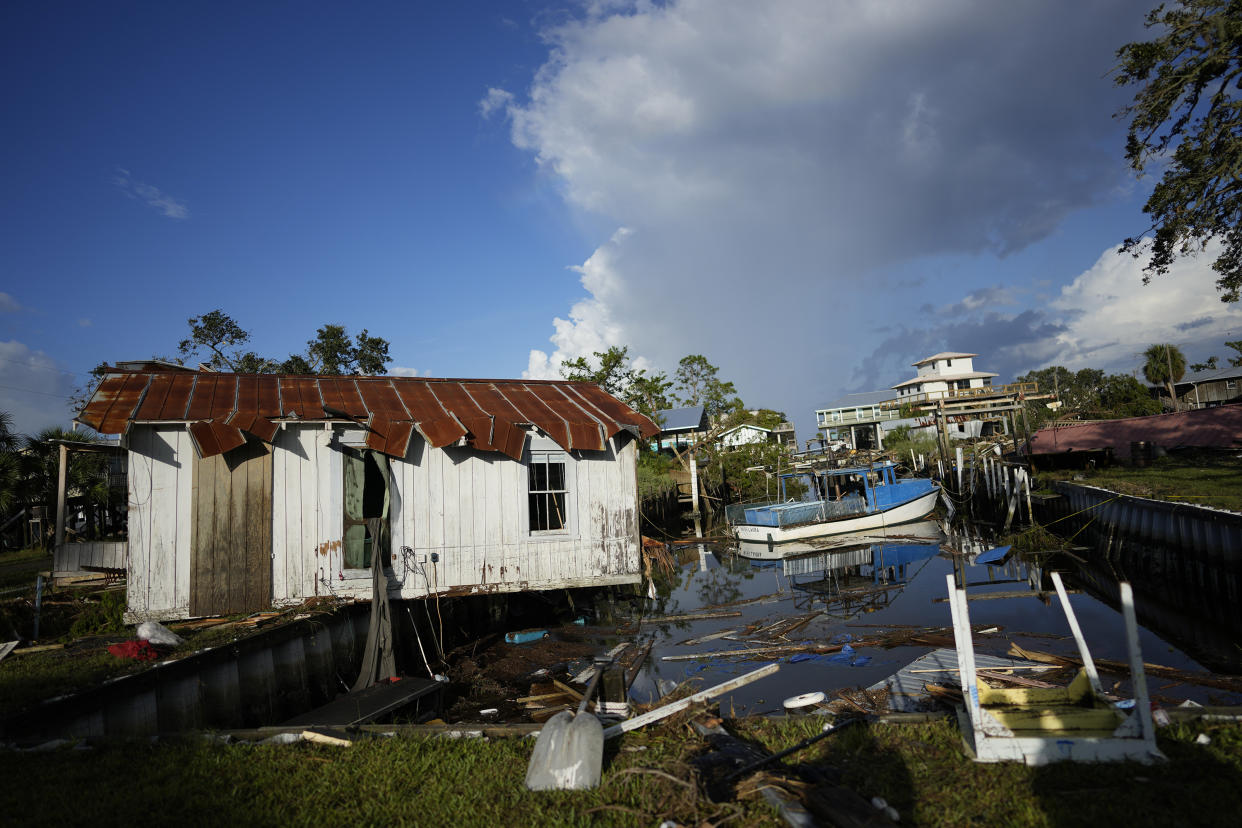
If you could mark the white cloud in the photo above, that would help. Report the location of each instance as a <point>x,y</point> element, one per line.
<point>84,322</point>
<point>1104,318</point>
<point>774,159</point>
<point>495,99</point>
<point>1111,316</point>
<point>8,304</point>
<point>590,327</point>
<point>34,388</point>
<point>151,195</point>
<point>403,371</point>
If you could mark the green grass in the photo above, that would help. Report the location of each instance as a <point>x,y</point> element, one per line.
<point>1201,478</point>
<point>920,769</point>
<point>20,567</point>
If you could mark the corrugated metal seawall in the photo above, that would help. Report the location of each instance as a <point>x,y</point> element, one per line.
<point>256,681</point>
<point>1209,534</point>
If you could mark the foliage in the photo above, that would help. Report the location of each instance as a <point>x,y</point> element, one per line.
<point>900,443</point>
<point>762,417</point>
<point>653,474</point>
<point>332,351</point>
<point>1088,393</point>
<point>1188,102</point>
<point>1121,395</point>
<point>102,616</point>
<point>615,373</point>
<point>1236,345</point>
<point>750,470</point>
<point>1160,359</point>
<point>39,467</point>
<point>698,383</point>
<point>1209,365</point>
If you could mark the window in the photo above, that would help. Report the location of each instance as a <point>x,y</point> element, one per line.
<point>548,495</point>
<point>948,363</point>
<point>365,497</point>
<point>1231,385</point>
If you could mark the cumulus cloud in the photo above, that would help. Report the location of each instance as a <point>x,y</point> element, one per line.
<point>403,371</point>
<point>776,161</point>
<point>590,327</point>
<point>34,388</point>
<point>495,100</point>
<point>1104,318</point>
<point>150,195</point>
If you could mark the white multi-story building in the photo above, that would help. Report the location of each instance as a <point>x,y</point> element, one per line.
<point>941,376</point>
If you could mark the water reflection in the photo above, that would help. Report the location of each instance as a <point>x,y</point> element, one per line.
<point>875,591</point>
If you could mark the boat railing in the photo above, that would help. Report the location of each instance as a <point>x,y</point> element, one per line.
<point>795,512</point>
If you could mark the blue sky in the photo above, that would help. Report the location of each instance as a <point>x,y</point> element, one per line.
<point>813,195</point>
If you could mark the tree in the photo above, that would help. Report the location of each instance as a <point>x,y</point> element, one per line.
<point>1236,345</point>
<point>615,373</point>
<point>1160,359</point>
<point>1121,395</point>
<point>220,334</point>
<point>699,384</point>
<point>1210,365</point>
<point>1190,76</point>
<point>330,352</point>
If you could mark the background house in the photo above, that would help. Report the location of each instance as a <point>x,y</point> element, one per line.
<point>253,491</point>
<point>1207,389</point>
<point>680,428</point>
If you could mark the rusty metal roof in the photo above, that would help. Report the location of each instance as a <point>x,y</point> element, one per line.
<point>491,415</point>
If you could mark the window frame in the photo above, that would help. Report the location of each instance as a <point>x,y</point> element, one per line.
<point>568,526</point>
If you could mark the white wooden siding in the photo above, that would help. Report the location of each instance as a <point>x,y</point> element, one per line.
<point>160,491</point>
<point>466,507</point>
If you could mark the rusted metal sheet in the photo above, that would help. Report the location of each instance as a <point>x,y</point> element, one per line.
<point>299,397</point>
<point>584,430</point>
<point>212,438</point>
<point>247,414</point>
<point>538,413</point>
<point>614,410</point>
<point>508,424</point>
<point>454,397</point>
<point>493,414</point>
<point>113,403</point>
<point>438,426</point>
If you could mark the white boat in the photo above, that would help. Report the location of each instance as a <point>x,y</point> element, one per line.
<point>821,502</point>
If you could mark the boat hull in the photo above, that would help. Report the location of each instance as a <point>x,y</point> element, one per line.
<point>911,510</point>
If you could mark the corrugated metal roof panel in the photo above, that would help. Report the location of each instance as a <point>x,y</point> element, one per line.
<point>113,404</point>
<point>437,425</point>
<point>584,430</point>
<point>493,413</point>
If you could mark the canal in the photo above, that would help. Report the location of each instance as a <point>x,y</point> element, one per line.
<point>882,597</point>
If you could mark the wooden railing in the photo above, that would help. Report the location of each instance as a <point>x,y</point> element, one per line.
<point>1013,389</point>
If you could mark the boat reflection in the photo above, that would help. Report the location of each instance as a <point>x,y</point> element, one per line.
<point>849,574</point>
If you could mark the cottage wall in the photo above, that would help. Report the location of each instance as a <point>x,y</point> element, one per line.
<point>462,514</point>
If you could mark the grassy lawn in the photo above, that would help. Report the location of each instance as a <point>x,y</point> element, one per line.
<point>19,568</point>
<point>920,769</point>
<point>1202,478</point>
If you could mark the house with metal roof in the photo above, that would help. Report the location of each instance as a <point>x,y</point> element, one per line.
<point>255,491</point>
<point>680,427</point>
<point>1207,389</point>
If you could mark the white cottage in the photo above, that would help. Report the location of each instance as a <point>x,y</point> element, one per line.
<point>253,491</point>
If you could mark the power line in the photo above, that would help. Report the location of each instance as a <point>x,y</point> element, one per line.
<point>41,393</point>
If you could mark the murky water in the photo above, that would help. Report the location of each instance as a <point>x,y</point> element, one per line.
<point>867,588</point>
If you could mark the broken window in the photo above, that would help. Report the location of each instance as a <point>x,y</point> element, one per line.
<point>366,499</point>
<point>548,494</point>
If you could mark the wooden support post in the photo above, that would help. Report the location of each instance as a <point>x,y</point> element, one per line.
<point>959,471</point>
<point>60,496</point>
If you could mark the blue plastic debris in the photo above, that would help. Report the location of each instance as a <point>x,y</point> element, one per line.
<point>525,636</point>
<point>993,555</point>
<point>842,638</point>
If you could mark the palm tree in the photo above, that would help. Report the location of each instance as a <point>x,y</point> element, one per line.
<point>85,476</point>
<point>1160,358</point>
